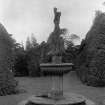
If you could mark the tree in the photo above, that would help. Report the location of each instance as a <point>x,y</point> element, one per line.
<point>7,82</point>
<point>32,56</point>
<point>33,41</point>
<point>33,59</point>
<point>91,57</point>
<point>70,40</point>
<point>20,64</point>
<point>28,43</point>
<point>44,49</point>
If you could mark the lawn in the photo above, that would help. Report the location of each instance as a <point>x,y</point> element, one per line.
<point>40,85</point>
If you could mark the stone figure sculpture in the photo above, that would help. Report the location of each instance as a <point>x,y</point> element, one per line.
<point>57,18</point>
<point>55,41</point>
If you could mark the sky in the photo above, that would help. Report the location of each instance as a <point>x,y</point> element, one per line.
<point>24,17</point>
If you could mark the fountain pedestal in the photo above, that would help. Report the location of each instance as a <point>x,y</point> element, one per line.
<point>56,71</point>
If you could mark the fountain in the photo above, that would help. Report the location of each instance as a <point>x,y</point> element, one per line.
<point>56,69</point>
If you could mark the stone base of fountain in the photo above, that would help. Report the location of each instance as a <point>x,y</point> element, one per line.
<point>56,94</point>
<point>71,99</point>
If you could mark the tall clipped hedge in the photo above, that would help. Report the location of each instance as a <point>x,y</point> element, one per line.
<point>91,56</point>
<point>7,82</point>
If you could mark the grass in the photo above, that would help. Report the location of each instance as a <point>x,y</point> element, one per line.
<point>42,84</point>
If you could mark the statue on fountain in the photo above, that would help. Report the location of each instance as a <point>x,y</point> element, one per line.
<point>57,18</point>
<point>55,40</point>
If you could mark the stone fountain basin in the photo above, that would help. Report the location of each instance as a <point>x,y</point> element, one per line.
<point>56,68</point>
<point>69,99</point>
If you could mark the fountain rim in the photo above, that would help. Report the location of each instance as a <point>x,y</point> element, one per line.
<point>56,64</point>
<point>69,99</point>
<point>56,68</point>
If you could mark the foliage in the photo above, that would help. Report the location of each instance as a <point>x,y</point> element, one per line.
<point>28,44</point>
<point>7,82</point>
<point>20,64</point>
<point>44,49</point>
<point>32,56</point>
<point>70,48</point>
<point>91,55</point>
<point>31,42</point>
<point>69,40</point>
